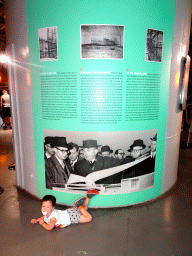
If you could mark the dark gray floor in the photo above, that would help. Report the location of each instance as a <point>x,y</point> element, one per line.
<point>161,227</point>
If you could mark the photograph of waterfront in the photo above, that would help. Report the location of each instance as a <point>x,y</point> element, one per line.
<point>102,41</point>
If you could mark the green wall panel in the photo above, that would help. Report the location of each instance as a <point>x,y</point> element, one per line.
<point>136,17</point>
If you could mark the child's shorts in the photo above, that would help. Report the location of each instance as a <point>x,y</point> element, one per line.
<point>74,215</point>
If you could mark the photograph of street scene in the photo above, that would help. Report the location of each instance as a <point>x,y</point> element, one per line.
<point>111,162</point>
<point>102,41</point>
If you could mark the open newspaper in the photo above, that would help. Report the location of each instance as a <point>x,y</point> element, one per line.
<point>91,178</point>
<point>145,180</point>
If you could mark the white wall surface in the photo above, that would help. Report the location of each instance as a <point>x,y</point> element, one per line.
<point>174,116</point>
<point>17,40</point>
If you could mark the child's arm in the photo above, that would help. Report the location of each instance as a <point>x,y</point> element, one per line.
<point>34,221</point>
<point>49,226</point>
<point>41,221</point>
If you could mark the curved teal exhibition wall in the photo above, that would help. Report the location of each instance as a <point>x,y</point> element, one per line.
<point>101,70</point>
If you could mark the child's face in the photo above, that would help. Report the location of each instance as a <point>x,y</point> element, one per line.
<point>47,207</point>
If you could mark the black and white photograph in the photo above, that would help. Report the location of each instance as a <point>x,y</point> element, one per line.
<point>154,45</point>
<point>48,45</point>
<point>111,162</point>
<point>102,41</point>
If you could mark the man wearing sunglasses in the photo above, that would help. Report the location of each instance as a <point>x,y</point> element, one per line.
<point>57,169</point>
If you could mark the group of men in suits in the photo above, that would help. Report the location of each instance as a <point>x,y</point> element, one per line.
<point>62,159</point>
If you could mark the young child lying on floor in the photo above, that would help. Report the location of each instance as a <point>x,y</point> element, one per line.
<point>57,218</point>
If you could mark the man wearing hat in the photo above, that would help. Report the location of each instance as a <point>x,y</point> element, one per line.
<point>48,147</point>
<point>153,146</point>
<point>136,151</point>
<point>152,152</point>
<point>57,169</point>
<point>93,162</point>
<point>106,151</point>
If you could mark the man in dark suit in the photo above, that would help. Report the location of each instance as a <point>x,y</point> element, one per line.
<point>48,147</point>
<point>57,169</point>
<point>136,151</point>
<point>106,151</point>
<point>93,162</point>
<point>74,154</point>
<point>152,152</point>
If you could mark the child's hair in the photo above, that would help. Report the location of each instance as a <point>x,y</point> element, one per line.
<point>49,198</point>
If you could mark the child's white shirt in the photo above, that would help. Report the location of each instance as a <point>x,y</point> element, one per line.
<point>62,218</point>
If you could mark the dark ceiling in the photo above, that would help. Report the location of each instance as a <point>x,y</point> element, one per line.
<point>2,27</point>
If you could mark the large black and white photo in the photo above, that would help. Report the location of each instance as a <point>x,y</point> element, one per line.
<point>102,41</point>
<point>154,45</point>
<point>112,162</point>
<point>48,44</point>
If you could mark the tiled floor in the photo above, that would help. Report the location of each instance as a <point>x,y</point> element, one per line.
<point>161,227</point>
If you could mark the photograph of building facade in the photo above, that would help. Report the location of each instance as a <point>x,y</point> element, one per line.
<point>48,43</point>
